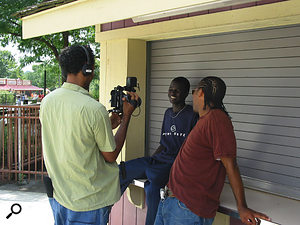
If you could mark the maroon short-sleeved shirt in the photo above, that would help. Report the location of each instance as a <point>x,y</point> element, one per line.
<point>197,175</point>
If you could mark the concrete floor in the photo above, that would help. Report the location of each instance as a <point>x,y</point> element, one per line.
<point>31,196</point>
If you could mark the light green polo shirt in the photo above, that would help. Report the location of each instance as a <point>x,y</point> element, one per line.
<point>75,128</point>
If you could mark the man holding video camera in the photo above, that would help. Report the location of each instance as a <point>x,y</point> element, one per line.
<point>79,147</point>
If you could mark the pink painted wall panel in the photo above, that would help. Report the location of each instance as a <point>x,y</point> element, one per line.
<point>130,212</point>
<point>125,213</point>
<point>141,216</point>
<point>116,215</point>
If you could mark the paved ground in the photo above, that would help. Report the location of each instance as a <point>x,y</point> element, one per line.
<point>33,200</point>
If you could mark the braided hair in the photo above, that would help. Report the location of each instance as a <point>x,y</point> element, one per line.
<point>214,89</point>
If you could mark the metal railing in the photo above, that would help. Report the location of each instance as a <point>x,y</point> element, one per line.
<point>20,143</point>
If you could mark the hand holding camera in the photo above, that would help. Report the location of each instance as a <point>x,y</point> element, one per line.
<point>119,98</point>
<point>130,102</point>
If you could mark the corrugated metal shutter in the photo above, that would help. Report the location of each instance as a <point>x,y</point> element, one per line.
<point>262,71</point>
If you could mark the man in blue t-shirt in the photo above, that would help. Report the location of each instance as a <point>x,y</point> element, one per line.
<point>177,123</point>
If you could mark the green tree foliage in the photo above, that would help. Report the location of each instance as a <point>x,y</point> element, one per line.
<point>38,48</point>
<point>44,48</point>
<point>37,75</point>
<point>53,77</point>
<point>94,86</point>
<point>8,65</point>
<point>7,97</point>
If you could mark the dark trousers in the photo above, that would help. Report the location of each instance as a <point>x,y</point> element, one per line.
<point>157,175</point>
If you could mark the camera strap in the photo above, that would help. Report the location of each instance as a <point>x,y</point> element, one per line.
<point>135,103</point>
<point>123,170</point>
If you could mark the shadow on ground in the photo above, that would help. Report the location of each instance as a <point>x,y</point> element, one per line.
<point>27,186</point>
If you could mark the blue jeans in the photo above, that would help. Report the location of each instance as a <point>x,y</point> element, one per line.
<point>64,216</point>
<point>157,174</point>
<point>171,211</point>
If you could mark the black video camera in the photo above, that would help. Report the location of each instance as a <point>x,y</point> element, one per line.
<point>117,94</point>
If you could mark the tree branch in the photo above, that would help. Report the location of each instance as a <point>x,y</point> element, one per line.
<point>66,35</point>
<point>51,46</point>
<point>15,34</point>
<point>13,22</point>
<point>43,40</point>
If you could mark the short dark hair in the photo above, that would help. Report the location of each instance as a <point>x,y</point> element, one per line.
<point>214,89</point>
<point>72,59</point>
<point>184,82</point>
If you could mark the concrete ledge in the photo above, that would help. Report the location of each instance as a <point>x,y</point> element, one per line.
<point>280,209</point>
<point>139,182</point>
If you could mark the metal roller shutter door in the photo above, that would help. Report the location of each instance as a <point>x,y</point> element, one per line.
<point>262,71</point>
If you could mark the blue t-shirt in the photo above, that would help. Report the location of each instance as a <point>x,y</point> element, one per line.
<point>175,128</point>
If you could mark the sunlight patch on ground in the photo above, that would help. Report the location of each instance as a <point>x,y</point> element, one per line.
<point>36,209</point>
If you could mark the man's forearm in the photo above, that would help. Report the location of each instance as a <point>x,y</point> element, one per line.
<point>237,187</point>
<point>248,216</point>
<point>121,134</point>
<point>119,139</point>
<point>235,180</point>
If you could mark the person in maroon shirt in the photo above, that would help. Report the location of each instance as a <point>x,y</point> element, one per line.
<point>207,155</point>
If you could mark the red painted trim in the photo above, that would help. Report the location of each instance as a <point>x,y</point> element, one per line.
<point>269,2</point>
<point>145,22</point>
<point>245,5</point>
<point>118,24</point>
<point>130,23</point>
<point>227,8</point>
<point>179,16</point>
<point>198,13</point>
<point>161,19</point>
<point>106,27</point>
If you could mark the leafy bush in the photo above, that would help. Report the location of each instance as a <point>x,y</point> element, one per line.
<point>7,98</point>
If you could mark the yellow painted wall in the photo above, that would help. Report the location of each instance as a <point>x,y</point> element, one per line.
<point>221,219</point>
<point>120,59</point>
<point>113,67</point>
<point>136,67</point>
